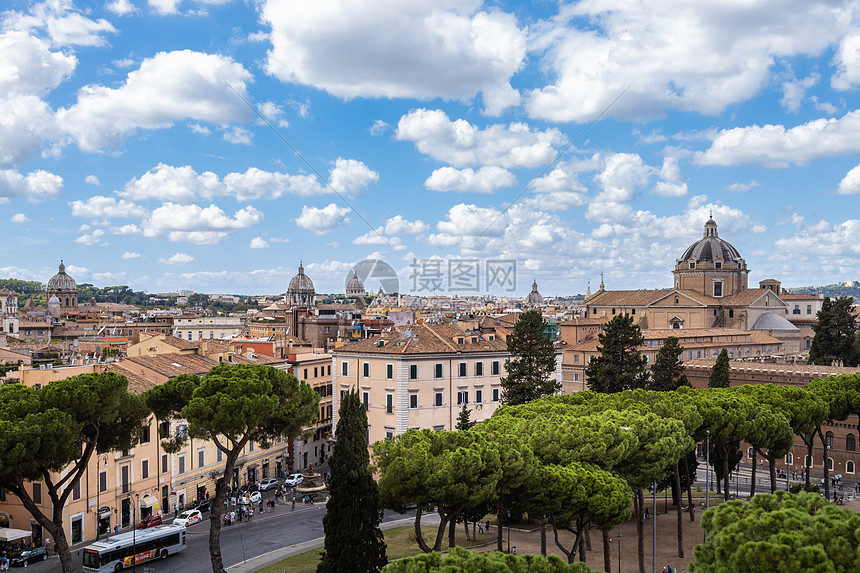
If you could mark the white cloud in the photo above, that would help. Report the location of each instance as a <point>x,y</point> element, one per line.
<point>91,239</point>
<point>379,127</point>
<point>376,238</point>
<point>20,218</point>
<point>351,176</point>
<point>121,7</point>
<point>322,221</point>
<point>484,180</point>
<point>794,91</point>
<point>169,183</point>
<point>622,175</point>
<point>63,23</point>
<point>199,225</point>
<point>467,221</point>
<point>29,66</point>
<point>463,144</point>
<point>99,206</point>
<point>850,184</point>
<point>847,59</point>
<point>398,225</point>
<point>823,241</point>
<point>690,56</point>
<point>92,180</point>
<point>238,136</point>
<point>742,187</point>
<point>273,113</point>
<point>130,255</point>
<point>671,184</point>
<point>177,259</point>
<point>282,240</point>
<point>165,7</point>
<point>258,243</point>
<point>129,229</point>
<point>776,146</point>
<point>421,49</point>
<point>35,186</point>
<point>169,87</point>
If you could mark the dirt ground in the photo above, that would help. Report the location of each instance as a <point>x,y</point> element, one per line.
<point>528,541</point>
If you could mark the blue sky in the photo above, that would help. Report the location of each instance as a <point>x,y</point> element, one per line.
<point>150,143</point>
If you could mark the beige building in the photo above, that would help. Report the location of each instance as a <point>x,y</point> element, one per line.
<point>207,327</point>
<point>420,376</point>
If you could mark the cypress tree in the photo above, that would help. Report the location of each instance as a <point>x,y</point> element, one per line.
<point>353,540</point>
<point>620,365</point>
<point>667,373</point>
<point>835,334</point>
<point>464,421</point>
<point>719,376</point>
<point>532,363</point>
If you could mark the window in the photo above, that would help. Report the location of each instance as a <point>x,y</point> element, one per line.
<point>344,368</point>
<point>145,437</point>
<point>124,479</point>
<point>438,398</point>
<point>316,371</point>
<point>76,490</point>
<point>182,431</point>
<point>808,309</point>
<point>828,439</point>
<point>37,493</point>
<point>389,371</point>
<point>576,376</point>
<point>788,459</point>
<point>731,313</point>
<point>809,462</point>
<point>437,371</point>
<point>494,368</point>
<point>413,400</point>
<point>163,465</point>
<point>251,446</point>
<point>462,397</point>
<point>103,481</point>
<point>718,265</point>
<point>389,435</point>
<point>365,399</point>
<point>479,368</point>
<point>144,469</point>
<point>413,371</point>
<point>389,403</point>
<point>495,394</point>
<point>830,464</point>
<point>750,453</point>
<point>718,288</point>
<point>219,455</point>
<point>201,457</point>
<point>462,369</point>
<point>365,369</point>
<point>305,374</point>
<point>849,467</point>
<point>850,443</point>
<point>479,396</point>
<point>265,469</point>
<point>181,460</point>
<point>692,265</point>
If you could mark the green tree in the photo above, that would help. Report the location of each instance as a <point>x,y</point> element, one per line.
<point>835,334</point>
<point>778,532</point>
<point>58,428</point>
<point>719,376</point>
<point>353,540</point>
<point>464,561</point>
<point>667,373</point>
<point>619,364</point>
<point>232,405</point>
<point>463,420</point>
<point>531,366</point>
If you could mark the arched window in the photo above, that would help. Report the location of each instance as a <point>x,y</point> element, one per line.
<point>850,443</point>
<point>789,459</point>
<point>830,464</point>
<point>828,438</point>
<point>750,453</point>
<point>849,467</point>
<point>808,461</point>
<point>677,300</point>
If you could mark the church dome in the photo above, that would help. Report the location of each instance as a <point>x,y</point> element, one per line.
<point>711,248</point>
<point>62,281</point>
<point>534,298</point>
<point>301,291</point>
<point>355,287</point>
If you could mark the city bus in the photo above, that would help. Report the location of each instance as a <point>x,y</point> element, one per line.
<point>120,551</point>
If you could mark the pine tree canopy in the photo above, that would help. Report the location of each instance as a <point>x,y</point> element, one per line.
<point>531,367</point>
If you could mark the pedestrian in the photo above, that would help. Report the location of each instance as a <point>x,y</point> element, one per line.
<point>480,528</point>
<point>48,546</point>
<point>175,510</point>
<point>666,569</point>
<point>4,563</point>
<point>487,528</point>
<point>294,503</point>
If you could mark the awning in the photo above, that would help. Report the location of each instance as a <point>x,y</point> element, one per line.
<point>9,534</point>
<point>148,501</point>
<point>104,512</point>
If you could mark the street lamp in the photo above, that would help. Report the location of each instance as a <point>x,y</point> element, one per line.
<point>619,552</point>
<point>132,501</point>
<point>509,530</point>
<point>98,489</point>
<point>654,530</point>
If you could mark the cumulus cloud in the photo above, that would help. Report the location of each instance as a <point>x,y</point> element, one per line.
<point>35,186</point>
<point>121,7</point>
<point>671,183</point>
<point>822,240</point>
<point>466,220</point>
<point>169,87</point>
<point>129,229</point>
<point>195,224</point>
<point>484,180</point>
<point>398,225</point>
<point>65,25</point>
<point>776,146</point>
<point>322,221</point>
<point>20,218</point>
<point>421,49</point>
<point>91,239</point>
<point>701,56</point>
<point>258,243</point>
<point>99,206</point>
<point>92,180</point>
<point>351,176</point>
<point>850,184</point>
<point>130,255</point>
<point>177,259</point>
<point>742,187</point>
<point>463,144</point>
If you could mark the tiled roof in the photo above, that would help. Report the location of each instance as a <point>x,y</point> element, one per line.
<point>752,337</point>
<point>642,298</point>
<point>180,343</point>
<point>745,297</point>
<point>136,384</point>
<point>425,339</point>
<point>172,364</point>
<point>807,369</point>
<point>797,296</point>
<point>580,321</point>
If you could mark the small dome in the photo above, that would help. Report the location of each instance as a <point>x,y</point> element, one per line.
<point>355,287</point>
<point>62,281</point>
<point>771,321</point>
<point>301,291</point>
<point>711,247</point>
<point>534,298</point>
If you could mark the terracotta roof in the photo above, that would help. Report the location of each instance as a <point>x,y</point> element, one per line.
<point>580,321</point>
<point>798,296</point>
<point>172,364</point>
<point>641,298</point>
<point>752,337</point>
<point>425,339</point>
<point>136,384</point>
<point>180,343</point>
<point>807,369</point>
<point>745,297</point>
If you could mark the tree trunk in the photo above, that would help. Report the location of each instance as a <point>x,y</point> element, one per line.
<point>588,537</point>
<point>543,536</point>
<point>607,552</point>
<point>475,530</point>
<point>466,528</point>
<point>452,532</point>
<point>809,440</point>
<point>691,508</point>
<point>824,464</point>
<point>639,503</point>
<point>752,474</point>
<point>419,536</point>
<point>571,554</point>
<point>499,537</point>
<point>216,507</point>
<point>726,472</point>
<point>771,466</point>
<point>680,513</point>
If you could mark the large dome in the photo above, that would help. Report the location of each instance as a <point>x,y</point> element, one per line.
<point>355,287</point>
<point>711,248</point>
<point>301,291</point>
<point>62,281</point>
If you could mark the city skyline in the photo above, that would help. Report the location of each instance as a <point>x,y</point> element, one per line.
<point>151,143</point>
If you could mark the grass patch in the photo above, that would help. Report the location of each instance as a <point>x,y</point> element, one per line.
<point>400,542</point>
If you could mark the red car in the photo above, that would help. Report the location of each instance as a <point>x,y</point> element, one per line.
<point>149,521</point>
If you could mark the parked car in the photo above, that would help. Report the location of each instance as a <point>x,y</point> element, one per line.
<point>268,483</point>
<point>249,487</point>
<point>293,480</point>
<point>29,556</point>
<point>188,517</point>
<point>202,505</point>
<point>149,521</point>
